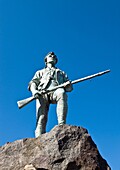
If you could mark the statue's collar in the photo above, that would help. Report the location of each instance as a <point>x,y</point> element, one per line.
<point>50,69</point>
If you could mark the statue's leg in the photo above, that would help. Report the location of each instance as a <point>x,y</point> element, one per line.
<point>42,107</point>
<point>61,98</point>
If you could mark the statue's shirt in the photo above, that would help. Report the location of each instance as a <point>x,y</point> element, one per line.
<point>48,78</point>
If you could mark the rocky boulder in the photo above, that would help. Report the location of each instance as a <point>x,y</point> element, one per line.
<point>63,148</point>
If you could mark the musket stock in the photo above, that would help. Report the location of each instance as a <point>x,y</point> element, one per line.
<point>24,102</point>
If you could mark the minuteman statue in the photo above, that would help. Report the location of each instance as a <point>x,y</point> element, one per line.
<point>44,79</point>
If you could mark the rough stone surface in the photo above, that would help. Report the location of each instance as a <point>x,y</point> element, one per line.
<point>63,148</point>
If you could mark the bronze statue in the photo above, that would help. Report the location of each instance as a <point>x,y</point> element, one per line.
<point>49,86</point>
<point>46,79</point>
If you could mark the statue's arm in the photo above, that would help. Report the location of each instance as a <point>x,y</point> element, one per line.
<point>69,86</point>
<point>34,83</point>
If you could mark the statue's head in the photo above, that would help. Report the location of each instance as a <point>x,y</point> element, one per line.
<point>51,58</point>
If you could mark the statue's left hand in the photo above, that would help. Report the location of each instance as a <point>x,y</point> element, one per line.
<point>68,86</point>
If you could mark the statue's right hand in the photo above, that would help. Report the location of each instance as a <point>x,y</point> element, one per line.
<point>36,94</point>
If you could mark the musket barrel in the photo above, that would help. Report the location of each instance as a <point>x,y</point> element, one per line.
<point>90,77</point>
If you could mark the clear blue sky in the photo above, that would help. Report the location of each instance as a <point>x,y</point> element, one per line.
<point>85,35</point>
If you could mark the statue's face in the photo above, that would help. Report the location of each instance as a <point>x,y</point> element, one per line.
<point>51,59</point>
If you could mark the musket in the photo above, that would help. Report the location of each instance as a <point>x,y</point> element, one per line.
<point>22,103</point>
